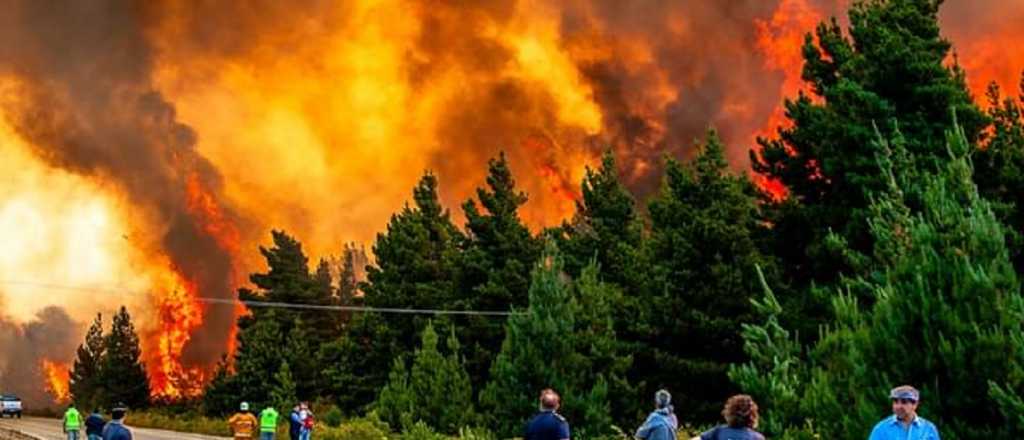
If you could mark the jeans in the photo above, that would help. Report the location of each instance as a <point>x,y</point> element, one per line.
<point>95,437</point>
<point>266,436</point>
<point>305,435</point>
<point>73,435</point>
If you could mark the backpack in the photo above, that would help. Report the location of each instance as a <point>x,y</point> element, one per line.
<point>308,423</point>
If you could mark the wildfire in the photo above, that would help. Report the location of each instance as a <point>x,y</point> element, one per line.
<point>178,314</point>
<point>58,377</point>
<point>338,108</point>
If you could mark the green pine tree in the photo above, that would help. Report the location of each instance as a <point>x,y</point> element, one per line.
<point>436,391</point>
<point>85,375</point>
<point>414,267</point>
<point>283,394</point>
<point>496,258</point>
<point>541,350</point>
<point>122,376</point>
<point>999,167</point>
<point>703,252</point>
<point>946,313</point>
<point>890,67</point>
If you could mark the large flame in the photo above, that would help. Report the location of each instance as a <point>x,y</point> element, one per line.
<point>57,378</point>
<point>319,120</point>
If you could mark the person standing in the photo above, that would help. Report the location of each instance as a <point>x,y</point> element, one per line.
<point>548,424</point>
<point>94,425</point>
<point>295,423</point>
<point>662,423</point>
<point>115,429</point>
<point>242,423</point>
<point>268,423</point>
<point>904,423</point>
<point>741,417</point>
<point>72,422</point>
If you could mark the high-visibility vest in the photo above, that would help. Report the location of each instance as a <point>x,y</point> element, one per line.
<point>72,419</point>
<point>268,420</point>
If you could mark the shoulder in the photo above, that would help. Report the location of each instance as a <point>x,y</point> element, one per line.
<point>927,424</point>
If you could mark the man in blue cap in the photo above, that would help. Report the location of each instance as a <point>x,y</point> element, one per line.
<point>904,424</point>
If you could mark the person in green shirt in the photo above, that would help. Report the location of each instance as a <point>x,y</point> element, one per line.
<point>72,422</point>
<point>268,423</point>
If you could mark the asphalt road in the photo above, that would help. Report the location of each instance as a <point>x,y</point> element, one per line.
<point>49,429</point>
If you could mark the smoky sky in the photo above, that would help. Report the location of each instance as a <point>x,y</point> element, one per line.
<point>51,335</point>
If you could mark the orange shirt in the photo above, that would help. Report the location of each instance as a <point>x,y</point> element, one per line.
<point>243,425</point>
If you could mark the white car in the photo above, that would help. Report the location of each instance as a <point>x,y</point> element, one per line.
<point>10,405</point>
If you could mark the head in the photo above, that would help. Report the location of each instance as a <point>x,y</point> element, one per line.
<point>244,406</point>
<point>549,400</point>
<point>96,410</point>
<point>740,412</point>
<point>71,405</point>
<point>119,412</point>
<point>304,405</point>
<point>662,399</point>
<point>904,402</point>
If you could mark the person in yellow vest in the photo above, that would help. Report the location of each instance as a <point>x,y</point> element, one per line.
<point>268,423</point>
<point>72,422</point>
<point>243,423</point>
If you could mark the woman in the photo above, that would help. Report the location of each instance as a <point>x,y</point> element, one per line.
<point>740,420</point>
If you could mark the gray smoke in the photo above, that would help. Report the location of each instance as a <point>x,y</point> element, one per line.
<point>52,335</point>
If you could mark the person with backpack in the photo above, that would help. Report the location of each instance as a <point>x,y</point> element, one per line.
<point>662,423</point>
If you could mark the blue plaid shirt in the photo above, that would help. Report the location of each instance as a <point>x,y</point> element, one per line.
<point>892,429</point>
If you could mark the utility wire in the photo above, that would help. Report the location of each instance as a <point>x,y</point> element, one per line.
<point>276,304</point>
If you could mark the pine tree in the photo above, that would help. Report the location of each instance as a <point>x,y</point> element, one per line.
<point>541,350</point>
<point>494,272</point>
<point>122,376</point>
<point>85,374</point>
<point>946,314</point>
<point>283,394</point>
<point>999,167</point>
<point>605,227</point>
<point>436,391</point>
<point>703,252</point>
<point>891,67</point>
<point>415,268</point>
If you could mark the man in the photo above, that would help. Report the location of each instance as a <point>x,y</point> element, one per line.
<point>94,425</point>
<point>662,423</point>
<point>243,423</point>
<point>295,423</point>
<point>548,424</point>
<point>268,423</point>
<point>72,422</point>
<point>115,429</point>
<point>904,424</point>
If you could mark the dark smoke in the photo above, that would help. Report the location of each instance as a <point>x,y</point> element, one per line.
<point>52,335</point>
<point>86,104</point>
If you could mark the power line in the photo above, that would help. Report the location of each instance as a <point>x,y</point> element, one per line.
<point>277,304</point>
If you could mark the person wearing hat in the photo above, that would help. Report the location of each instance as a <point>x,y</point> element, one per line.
<point>662,423</point>
<point>904,424</point>
<point>115,429</point>
<point>243,423</point>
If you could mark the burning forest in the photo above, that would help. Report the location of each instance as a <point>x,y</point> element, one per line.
<point>149,148</point>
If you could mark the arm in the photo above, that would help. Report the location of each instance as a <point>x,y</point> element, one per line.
<point>563,431</point>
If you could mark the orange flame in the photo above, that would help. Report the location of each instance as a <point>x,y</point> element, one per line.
<point>57,377</point>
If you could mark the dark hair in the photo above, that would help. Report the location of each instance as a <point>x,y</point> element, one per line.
<point>118,414</point>
<point>740,412</point>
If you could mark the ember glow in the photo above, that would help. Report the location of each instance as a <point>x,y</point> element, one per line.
<point>149,150</point>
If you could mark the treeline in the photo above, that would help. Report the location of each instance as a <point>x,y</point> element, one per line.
<point>893,259</point>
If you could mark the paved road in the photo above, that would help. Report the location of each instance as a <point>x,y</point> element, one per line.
<point>49,429</point>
